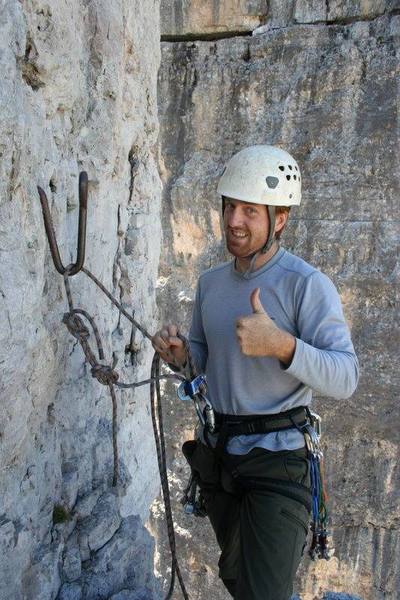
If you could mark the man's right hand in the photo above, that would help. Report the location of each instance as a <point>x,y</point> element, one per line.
<point>169,346</point>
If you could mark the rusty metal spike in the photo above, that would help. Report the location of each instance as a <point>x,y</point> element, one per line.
<point>73,268</point>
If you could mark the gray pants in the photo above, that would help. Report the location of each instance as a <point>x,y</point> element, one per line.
<point>261,533</point>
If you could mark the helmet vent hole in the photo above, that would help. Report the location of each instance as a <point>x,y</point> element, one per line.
<point>290,167</point>
<point>294,177</point>
<point>272,182</point>
<point>290,196</point>
<point>282,168</point>
<point>295,167</point>
<point>288,177</point>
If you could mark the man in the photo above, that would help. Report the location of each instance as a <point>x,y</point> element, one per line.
<point>267,329</point>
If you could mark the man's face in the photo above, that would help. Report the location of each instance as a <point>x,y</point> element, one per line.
<point>246,227</point>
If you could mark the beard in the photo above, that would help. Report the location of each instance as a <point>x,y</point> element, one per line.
<point>238,247</point>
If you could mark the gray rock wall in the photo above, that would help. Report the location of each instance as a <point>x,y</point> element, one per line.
<point>327,90</point>
<point>219,18</point>
<point>211,17</point>
<point>77,91</point>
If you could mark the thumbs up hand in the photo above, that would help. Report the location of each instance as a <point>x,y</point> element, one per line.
<point>255,302</point>
<point>259,336</point>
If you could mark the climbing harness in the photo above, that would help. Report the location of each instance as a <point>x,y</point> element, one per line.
<point>315,501</point>
<point>194,386</point>
<point>233,425</point>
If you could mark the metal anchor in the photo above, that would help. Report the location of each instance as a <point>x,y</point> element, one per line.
<point>73,268</point>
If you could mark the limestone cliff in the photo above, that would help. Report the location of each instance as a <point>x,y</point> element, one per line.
<point>321,80</point>
<point>77,92</point>
<point>211,17</point>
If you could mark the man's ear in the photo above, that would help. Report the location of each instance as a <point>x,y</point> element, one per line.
<point>280,221</point>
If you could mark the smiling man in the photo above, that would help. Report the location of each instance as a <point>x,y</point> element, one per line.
<point>267,329</point>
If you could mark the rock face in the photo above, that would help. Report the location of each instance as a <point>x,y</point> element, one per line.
<point>326,90</point>
<point>283,13</point>
<point>77,92</point>
<point>219,18</point>
<point>211,17</point>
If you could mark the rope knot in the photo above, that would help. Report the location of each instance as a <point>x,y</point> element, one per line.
<point>75,326</point>
<point>104,374</point>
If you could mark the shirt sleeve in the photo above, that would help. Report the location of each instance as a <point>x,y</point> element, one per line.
<point>324,358</point>
<point>197,338</point>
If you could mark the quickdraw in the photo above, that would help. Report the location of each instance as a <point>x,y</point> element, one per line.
<point>312,435</point>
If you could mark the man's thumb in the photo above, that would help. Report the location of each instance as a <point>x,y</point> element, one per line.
<point>256,302</point>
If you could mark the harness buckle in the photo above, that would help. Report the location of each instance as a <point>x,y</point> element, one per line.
<point>251,427</point>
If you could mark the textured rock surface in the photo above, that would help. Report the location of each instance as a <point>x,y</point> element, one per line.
<point>283,13</point>
<point>214,18</point>
<point>329,95</point>
<point>210,17</point>
<point>78,91</point>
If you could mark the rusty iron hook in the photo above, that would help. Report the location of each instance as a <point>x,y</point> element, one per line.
<point>72,268</point>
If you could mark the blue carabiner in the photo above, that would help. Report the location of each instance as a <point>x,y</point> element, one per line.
<point>188,389</point>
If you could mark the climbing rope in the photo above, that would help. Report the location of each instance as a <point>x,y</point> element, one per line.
<point>106,374</point>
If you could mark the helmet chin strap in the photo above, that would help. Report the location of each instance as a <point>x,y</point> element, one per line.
<point>268,244</point>
<point>271,235</point>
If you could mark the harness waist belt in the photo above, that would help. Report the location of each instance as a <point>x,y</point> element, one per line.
<point>232,425</point>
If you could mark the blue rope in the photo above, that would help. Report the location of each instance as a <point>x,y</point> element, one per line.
<point>316,487</point>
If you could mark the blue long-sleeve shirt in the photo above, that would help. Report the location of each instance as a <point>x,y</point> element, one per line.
<point>302,301</point>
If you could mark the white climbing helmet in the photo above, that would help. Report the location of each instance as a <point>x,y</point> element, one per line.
<point>262,175</point>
